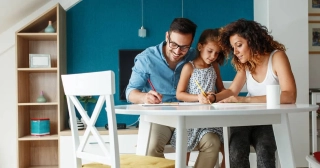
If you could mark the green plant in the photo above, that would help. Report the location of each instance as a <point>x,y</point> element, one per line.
<point>86,100</point>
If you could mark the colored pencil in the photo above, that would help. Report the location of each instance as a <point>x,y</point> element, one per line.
<point>203,93</point>
<point>151,85</point>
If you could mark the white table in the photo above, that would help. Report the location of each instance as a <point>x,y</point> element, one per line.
<point>225,115</point>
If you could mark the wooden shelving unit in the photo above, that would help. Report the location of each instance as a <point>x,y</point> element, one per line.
<point>41,151</point>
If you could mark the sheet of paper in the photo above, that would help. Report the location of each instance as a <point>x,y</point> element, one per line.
<point>237,104</point>
<point>175,104</point>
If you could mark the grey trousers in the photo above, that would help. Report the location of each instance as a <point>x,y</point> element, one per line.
<point>261,138</point>
<point>208,146</point>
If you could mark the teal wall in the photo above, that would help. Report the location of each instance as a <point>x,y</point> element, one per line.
<point>97,29</point>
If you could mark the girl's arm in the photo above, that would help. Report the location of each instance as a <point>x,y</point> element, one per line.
<point>181,93</point>
<point>222,92</point>
<point>219,83</point>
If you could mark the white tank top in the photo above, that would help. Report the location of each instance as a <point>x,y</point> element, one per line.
<point>259,89</point>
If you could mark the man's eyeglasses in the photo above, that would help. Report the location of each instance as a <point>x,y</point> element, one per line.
<point>174,45</point>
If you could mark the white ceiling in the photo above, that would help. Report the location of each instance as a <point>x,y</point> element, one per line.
<point>12,11</point>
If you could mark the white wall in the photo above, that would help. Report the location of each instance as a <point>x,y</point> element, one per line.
<point>288,21</point>
<point>8,89</point>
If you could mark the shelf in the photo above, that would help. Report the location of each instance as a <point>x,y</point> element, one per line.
<point>40,151</point>
<point>43,46</point>
<point>34,70</point>
<point>38,104</point>
<point>39,138</point>
<point>31,84</point>
<point>44,167</point>
<point>38,36</point>
<point>27,111</point>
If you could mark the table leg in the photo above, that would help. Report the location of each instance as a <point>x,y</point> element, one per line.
<point>226,137</point>
<point>143,136</point>
<point>283,140</point>
<point>181,143</point>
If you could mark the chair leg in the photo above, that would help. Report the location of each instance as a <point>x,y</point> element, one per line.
<point>188,157</point>
<point>217,164</point>
<point>277,161</point>
<point>223,157</point>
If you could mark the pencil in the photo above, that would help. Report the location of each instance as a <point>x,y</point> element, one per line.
<point>203,93</point>
<point>151,85</point>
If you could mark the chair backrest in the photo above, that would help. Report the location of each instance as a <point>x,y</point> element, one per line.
<point>100,84</point>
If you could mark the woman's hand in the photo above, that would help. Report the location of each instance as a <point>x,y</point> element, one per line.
<point>231,99</point>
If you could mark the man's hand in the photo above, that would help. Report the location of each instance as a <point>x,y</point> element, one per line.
<point>152,97</point>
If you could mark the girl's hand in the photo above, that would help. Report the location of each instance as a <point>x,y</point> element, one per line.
<point>211,97</point>
<point>203,100</point>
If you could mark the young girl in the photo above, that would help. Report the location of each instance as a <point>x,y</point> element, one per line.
<point>259,61</point>
<point>204,69</point>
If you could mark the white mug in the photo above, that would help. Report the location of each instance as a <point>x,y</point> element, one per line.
<point>273,95</point>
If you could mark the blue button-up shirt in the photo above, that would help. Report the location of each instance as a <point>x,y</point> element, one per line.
<point>151,64</point>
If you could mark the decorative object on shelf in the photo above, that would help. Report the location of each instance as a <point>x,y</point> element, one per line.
<point>49,28</point>
<point>40,126</point>
<point>317,156</point>
<point>41,98</point>
<point>84,99</point>
<point>39,61</point>
<point>142,32</point>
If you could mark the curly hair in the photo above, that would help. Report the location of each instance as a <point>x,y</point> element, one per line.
<point>209,35</point>
<point>258,38</point>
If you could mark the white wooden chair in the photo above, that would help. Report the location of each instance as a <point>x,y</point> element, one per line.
<point>100,84</point>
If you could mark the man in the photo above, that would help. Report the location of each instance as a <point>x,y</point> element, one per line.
<point>155,77</point>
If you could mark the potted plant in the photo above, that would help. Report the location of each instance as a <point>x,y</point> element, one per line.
<point>81,124</point>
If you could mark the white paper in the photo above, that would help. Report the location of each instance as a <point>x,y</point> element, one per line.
<point>175,104</point>
<point>237,104</point>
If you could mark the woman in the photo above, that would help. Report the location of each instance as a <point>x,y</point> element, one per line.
<point>259,61</point>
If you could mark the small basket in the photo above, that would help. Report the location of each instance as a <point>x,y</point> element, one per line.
<point>40,126</point>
